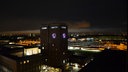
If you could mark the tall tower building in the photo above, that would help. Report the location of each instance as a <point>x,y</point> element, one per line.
<point>54,43</point>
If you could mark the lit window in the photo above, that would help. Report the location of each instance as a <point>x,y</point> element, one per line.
<point>44,28</point>
<point>35,51</point>
<point>63,27</point>
<point>54,27</point>
<point>29,52</point>
<point>39,50</point>
<point>27,61</point>
<point>46,59</point>
<point>63,53</point>
<point>24,62</point>
<point>53,44</point>
<point>32,51</point>
<point>44,67</point>
<point>63,61</point>
<point>42,47</point>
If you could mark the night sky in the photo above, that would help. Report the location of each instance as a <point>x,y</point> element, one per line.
<point>80,15</point>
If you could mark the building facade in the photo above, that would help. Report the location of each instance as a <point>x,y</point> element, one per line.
<point>54,43</point>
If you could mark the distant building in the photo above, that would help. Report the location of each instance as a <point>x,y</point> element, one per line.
<point>20,59</point>
<point>54,43</point>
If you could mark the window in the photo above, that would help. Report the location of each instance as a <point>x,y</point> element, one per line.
<point>44,28</point>
<point>54,27</point>
<point>63,27</point>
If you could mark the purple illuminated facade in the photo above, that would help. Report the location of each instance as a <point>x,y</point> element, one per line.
<point>64,35</point>
<point>54,35</point>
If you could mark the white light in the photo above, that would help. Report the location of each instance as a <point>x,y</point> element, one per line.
<point>108,47</point>
<point>91,59</point>
<point>63,53</point>
<point>83,49</point>
<point>82,65</point>
<point>63,61</point>
<point>32,51</point>
<point>44,28</point>
<point>95,50</point>
<point>76,48</point>
<point>27,61</point>
<point>86,64</point>
<point>54,27</point>
<point>29,52</point>
<point>63,27</point>
<point>46,59</point>
<point>24,62</point>
<point>90,49</point>
<point>76,65</point>
<point>42,47</point>
<point>70,48</point>
<point>11,43</point>
<point>39,50</point>
<point>44,67</point>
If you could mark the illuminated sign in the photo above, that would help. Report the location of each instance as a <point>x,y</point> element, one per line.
<point>53,35</point>
<point>64,35</point>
